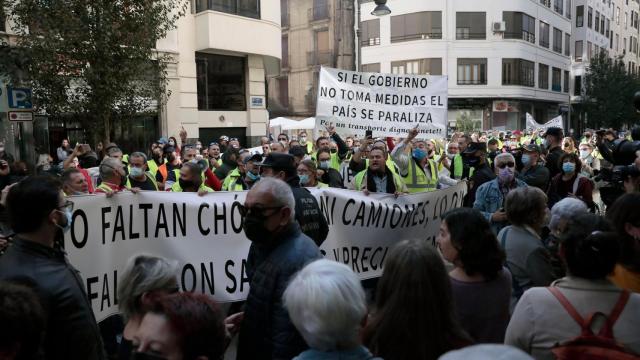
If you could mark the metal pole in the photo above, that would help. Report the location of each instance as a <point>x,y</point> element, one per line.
<point>359,42</point>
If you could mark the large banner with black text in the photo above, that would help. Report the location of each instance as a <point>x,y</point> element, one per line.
<point>385,104</point>
<point>204,234</point>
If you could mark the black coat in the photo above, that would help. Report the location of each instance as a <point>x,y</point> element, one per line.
<point>71,331</point>
<point>308,214</point>
<point>266,331</point>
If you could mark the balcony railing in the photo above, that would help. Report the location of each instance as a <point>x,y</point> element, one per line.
<point>435,34</point>
<point>370,42</point>
<point>319,58</point>
<point>472,82</point>
<point>464,34</point>
<point>318,13</point>
<point>521,35</point>
<point>251,10</point>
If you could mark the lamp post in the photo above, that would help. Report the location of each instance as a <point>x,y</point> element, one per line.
<point>381,9</point>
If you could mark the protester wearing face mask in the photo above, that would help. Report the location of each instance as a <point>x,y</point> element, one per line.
<point>278,250</point>
<point>37,211</point>
<point>236,180</point>
<point>113,177</point>
<point>172,165</point>
<point>418,171</point>
<point>308,174</point>
<point>490,196</point>
<point>283,139</point>
<point>139,177</point>
<point>552,141</point>
<point>191,180</point>
<point>475,157</point>
<point>589,162</point>
<point>570,183</point>
<point>378,178</point>
<point>444,176</point>
<point>326,173</point>
<point>533,172</point>
<point>335,142</point>
<point>304,142</point>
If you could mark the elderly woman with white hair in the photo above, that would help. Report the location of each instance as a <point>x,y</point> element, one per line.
<point>561,213</point>
<point>327,305</point>
<point>490,196</point>
<point>145,278</point>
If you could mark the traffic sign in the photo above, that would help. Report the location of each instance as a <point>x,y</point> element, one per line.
<point>19,98</point>
<point>20,116</point>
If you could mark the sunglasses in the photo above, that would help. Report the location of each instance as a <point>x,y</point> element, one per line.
<point>214,143</point>
<point>233,139</point>
<point>259,211</point>
<point>509,164</point>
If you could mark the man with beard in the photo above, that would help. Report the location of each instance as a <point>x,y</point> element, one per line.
<point>229,163</point>
<point>378,178</point>
<point>475,156</point>
<point>337,154</point>
<point>245,174</point>
<point>215,160</point>
<point>172,165</point>
<point>157,158</point>
<point>191,180</point>
<point>278,250</point>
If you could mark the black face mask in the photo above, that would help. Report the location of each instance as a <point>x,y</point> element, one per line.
<point>254,228</point>
<point>471,161</point>
<point>184,184</point>
<point>333,151</point>
<point>146,356</point>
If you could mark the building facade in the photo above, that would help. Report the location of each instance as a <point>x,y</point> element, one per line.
<point>224,51</point>
<point>315,33</point>
<point>503,58</point>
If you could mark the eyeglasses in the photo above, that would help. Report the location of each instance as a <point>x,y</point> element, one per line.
<point>509,164</point>
<point>233,139</point>
<point>68,205</point>
<point>259,211</point>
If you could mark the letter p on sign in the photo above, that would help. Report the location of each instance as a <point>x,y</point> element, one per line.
<point>19,98</point>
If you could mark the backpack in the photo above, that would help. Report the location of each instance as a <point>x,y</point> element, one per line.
<point>589,346</point>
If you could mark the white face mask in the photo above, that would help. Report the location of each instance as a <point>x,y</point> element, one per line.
<point>585,153</point>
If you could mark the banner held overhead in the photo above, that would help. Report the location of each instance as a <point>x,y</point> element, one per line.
<point>386,104</point>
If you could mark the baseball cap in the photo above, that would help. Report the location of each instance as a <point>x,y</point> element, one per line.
<point>224,138</point>
<point>163,141</point>
<point>279,161</point>
<point>256,158</point>
<point>297,151</point>
<point>475,146</point>
<point>531,148</point>
<point>555,131</point>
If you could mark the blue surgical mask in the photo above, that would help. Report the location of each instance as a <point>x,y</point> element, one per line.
<point>252,176</point>
<point>526,159</point>
<point>304,179</point>
<point>69,216</point>
<point>419,154</point>
<point>135,172</point>
<point>325,164</point>
<point>568,167</point>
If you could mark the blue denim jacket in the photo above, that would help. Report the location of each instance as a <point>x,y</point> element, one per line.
<point>489,200</point>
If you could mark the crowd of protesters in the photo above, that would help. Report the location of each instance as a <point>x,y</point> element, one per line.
<point>534,263</point>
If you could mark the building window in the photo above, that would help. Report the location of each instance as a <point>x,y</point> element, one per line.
<point>546,3</point>
<point>577,85</point>
<point>543,76</point>
<point>285,51</point>
<point>373,68</point>
<point>322,54</point>
<point>617,42</point>
<point>283,91</point>
<point>248,8</point>
<point>580,16</point>
<point>557,40</point>
<point>617,16</point>
<point>568,9</point>
<point>420,25</point>
<point>319,11</point>
<point>589,50</point>
<point>578,52</point>
<point>556,79</point>
<point>597,25</point>
<point>590,18</point>
<point>431,66</point>
<point>284,13</point>
<point>471,26</point>
<point>519,26</point>
<point>472,71</point>
<point>602,24</point>
<point>220,82</point>
<point>626,15</point>
<point>544,34</point>
<point>370,30</point>
<point>565,83</point>
<point>567,45</point>
<point>518,72</point>
<point>558,6</point>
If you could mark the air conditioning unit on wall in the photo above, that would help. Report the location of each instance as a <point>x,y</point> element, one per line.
<point>499,26</point>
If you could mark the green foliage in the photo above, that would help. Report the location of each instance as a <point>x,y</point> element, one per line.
<point>465,124</point>
<point>609,89</point>
<point>94,58</point>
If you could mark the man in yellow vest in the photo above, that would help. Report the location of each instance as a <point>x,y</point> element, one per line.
<point>112,176</point>
<point>338,154</point>
<point>139,177</point>
<point>305,143</point>
<point>191,180</point>
<point>245,175</point>
<point>377,177</point>
<point>458,168</point>
<point>419,172</point>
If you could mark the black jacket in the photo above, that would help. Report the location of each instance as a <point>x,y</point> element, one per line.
<point>71,331</point>
<point>266,331</point>
<point>308,214</point>
<point>552,161</point>
<point>332,178</point>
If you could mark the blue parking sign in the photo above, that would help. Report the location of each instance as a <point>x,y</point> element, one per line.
<point>19,98</point>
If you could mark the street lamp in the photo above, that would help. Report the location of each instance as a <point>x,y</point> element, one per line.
<point>381,8</point>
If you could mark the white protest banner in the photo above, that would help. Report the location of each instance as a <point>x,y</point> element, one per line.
<point>386,104</point>
<point>533,124</point>
<point>204,234</point>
